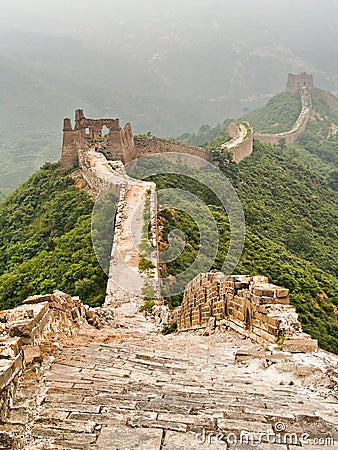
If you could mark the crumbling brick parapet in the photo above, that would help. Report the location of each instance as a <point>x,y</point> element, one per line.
<point>249,305</point>
<point>117,144</point>
<point>24,329</point>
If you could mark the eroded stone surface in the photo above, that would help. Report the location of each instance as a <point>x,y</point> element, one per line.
<point>130,388</point>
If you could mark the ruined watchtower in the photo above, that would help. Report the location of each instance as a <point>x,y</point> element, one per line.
<point>296,82</point>
<point>117,144</point>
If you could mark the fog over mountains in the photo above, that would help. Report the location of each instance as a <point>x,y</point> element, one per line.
<point>167,66</point>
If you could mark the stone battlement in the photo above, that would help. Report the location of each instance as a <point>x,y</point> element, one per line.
<point>296,82</point>
<point>119,143</point>
<point>26,330</point>
<point>248,305</point>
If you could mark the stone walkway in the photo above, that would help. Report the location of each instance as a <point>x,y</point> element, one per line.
<point>131,388</point>
<point>236,140</point>
<point>126,281</point>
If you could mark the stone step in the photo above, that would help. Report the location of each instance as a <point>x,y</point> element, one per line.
<point>154,392</point>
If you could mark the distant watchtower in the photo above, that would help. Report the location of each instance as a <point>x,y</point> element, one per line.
<point>296,82</point>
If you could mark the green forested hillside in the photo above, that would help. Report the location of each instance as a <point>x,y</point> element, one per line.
<point>289,196</point>
<point>320,137</point>
<point>45,241</point>
<point>207,134</point>
<point>292,233</point>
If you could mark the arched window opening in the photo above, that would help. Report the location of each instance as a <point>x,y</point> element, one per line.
<point>104,131</point>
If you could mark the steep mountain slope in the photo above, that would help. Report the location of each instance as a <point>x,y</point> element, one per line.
<point>45,241</point>
<point>289,196</point>
<point>291,218</point>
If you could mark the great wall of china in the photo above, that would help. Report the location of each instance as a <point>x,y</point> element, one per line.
<point>248,305</point>
<point>73,377</point>
<point>289,137</point>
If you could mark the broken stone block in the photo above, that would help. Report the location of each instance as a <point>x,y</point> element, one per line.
<point>3,317</point>
<point>300,345</point>
<point>248,353</point>
<point>32,353</point>
<point>9,349</point>
<point>281,293</point>
<point>210,328</point>
<point>38,299</point>
<point>265,290</point>
<point>21,330</point>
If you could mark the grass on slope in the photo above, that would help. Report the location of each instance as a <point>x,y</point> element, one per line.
<point>207,135</point>
<point>287,197</point>
<point>319,138</point>
<point>279,114</point>
<point>45,241</point>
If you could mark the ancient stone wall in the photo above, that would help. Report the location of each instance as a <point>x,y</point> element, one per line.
<point>117,145</point>
<point>248,305</point>
<point>331,100</point>
<point>299,127</point>
<point>71,145</point>
<point>99,173</point>
<point>241,144</point>
<point>126,280</point>
<point>296,82</point>
<point>243,150</point>
<point>25,329</point>
<point>153,145</point>
<point>132,197</point>
<point>233,130</point>
<point>92,128</point>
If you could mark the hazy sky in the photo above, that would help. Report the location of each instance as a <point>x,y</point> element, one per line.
<point>74,16</point>
<point>168,66</point>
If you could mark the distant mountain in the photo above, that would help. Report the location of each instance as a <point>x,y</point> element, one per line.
<point>166,73</point>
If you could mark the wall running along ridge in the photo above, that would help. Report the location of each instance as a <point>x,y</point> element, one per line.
<point>241,144</point>
<point>299,127</point>
<point>103,177</point>
<point>120,145</point>
<point>248,305</point>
